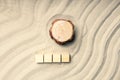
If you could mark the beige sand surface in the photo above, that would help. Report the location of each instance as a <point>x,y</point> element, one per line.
<point>24,30</point>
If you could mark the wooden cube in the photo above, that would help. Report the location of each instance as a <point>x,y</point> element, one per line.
<point>56,58</point>
<point>47,58</point>
<point>39,58</point>
<point>65,57</point>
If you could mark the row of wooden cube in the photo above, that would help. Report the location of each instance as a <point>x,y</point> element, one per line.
<point>52,58</point>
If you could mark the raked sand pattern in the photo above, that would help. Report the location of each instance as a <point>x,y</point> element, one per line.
<point>95,52</point>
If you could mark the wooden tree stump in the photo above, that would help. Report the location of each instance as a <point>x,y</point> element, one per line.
<point>62,31</point>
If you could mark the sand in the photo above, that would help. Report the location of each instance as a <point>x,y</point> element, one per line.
<point>24,30</point>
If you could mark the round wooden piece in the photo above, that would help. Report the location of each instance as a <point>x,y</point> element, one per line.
<point>62,31</point>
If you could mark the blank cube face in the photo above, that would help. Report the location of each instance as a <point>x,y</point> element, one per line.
<point>48,58</point>
<point>56,58</point>
<point>65,58</point>
<point>39,58</point>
